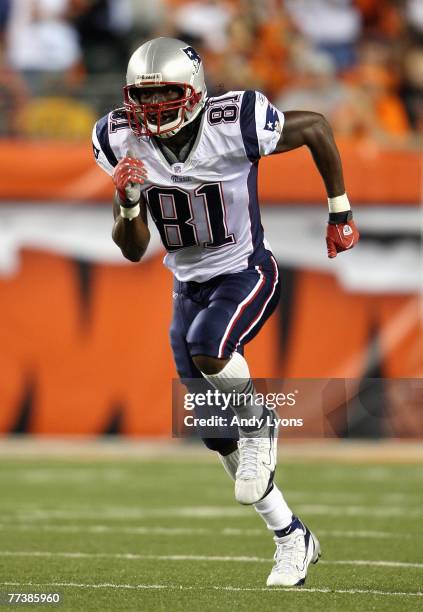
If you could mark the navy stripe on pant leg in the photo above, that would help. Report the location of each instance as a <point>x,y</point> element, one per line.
<point>208,328</point>
<point>265,311</point>
<point>238,307</point>
<point>251,316</point>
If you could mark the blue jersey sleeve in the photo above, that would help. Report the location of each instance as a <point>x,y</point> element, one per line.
<point>102,149</point>
<point>261,125</point>
<point>247,123</point>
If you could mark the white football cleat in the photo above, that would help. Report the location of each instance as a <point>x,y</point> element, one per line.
<point>294,553</point>
<point>256,468</point>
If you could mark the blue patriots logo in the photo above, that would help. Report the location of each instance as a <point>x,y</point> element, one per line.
<point>272,119</point>
<point>193,56</point>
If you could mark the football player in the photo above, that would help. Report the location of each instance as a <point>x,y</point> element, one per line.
<point>192,161</point>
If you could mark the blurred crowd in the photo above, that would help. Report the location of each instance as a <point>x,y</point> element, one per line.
<point>359,62</point>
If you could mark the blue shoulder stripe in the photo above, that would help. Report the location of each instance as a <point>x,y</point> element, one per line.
<point>102,130</point>
<point>248,125</point>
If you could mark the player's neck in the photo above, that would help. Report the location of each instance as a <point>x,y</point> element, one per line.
<point>183,141</point>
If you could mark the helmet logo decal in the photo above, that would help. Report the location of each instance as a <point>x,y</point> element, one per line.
<point>193,56</point>
<point>150,77</point>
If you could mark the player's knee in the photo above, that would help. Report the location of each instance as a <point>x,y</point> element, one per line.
<point>209,365</point>
<point>203,339</point>
<point>223,446</point>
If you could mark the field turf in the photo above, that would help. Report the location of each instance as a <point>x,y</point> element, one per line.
<point>164,533</point>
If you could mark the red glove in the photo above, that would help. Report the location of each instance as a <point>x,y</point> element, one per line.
<point>341,234</point>
<point>129,174</point>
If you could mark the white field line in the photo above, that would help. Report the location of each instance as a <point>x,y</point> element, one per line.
<point>101,529</point>
<point>324,497</point>
<point>183,531</point>
<point>181,587</point>
<point>242,559</point>
<point>208,512</point>
<point>84,474</point>
<point>368,511</point>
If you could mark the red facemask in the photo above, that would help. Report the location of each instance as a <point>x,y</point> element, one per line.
<point>141,115</point>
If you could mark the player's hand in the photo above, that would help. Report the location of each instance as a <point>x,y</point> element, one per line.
<point>341,234</point>
<point>129,175</point>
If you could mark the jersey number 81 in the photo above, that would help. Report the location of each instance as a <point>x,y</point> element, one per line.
<point>171,209</point>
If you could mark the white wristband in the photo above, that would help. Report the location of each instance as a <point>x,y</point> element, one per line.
<point>130,213</point>
<point>339,204</point>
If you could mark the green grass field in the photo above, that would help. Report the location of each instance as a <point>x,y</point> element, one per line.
<point>165,534</point>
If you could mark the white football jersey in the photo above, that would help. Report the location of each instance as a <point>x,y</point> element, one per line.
<point>206,208</point>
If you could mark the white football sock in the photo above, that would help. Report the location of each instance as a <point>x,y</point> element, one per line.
<point>235,377</point>
<point>273,509</point>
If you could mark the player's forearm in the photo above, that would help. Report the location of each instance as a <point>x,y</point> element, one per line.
<point>311,129</point>
<point>320,141</point>
<point>131,236</point>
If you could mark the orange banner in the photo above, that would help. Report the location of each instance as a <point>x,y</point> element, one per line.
<point>67,171</point>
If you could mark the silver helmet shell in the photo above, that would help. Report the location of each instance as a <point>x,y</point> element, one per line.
<point>162,62</point>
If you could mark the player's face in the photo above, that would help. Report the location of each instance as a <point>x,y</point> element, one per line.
<point>157,95</point>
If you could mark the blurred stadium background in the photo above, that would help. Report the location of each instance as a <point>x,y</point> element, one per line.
<point>70,361</point>
<point>97,519</point>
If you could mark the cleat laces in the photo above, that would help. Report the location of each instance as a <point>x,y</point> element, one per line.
<point>249,449</point>
<point>289,553</point>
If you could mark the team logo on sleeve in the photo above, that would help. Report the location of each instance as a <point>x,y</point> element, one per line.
<point>272,119</point>
<point>193,56</point>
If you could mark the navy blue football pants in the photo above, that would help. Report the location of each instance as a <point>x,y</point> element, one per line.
<point>220,316</point>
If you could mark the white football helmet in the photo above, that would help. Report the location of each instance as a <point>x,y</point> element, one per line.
<point>164,62</point>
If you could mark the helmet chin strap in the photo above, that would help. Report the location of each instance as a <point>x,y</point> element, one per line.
<point>182,126</point>
<point>170,133</point>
